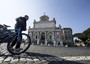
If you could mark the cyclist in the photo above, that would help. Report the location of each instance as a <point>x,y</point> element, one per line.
<point>20,24</point>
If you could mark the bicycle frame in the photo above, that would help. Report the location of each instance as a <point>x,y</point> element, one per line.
<point>13,39</point>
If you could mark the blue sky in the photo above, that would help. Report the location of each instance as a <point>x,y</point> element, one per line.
<point>68,13</point>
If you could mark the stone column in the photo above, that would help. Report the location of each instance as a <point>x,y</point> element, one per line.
<point>38,39</point>
<point>46,38</point>
<point>32,37</point>
<point>54,40</point>
<point>61,43</point>
<point>61,38</point>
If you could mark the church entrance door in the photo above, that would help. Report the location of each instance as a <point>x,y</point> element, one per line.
<point>42,39</point>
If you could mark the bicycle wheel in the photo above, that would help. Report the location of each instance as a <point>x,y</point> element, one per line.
<point>25,44</point>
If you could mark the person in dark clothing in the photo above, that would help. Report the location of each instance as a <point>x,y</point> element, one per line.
<point>20,24</point>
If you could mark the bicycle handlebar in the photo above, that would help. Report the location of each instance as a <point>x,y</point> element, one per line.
<point>6,25</point>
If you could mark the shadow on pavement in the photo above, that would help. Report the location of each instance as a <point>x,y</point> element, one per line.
<point>49,58</point>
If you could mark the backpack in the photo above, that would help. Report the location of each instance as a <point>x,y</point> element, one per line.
<point>21,23</point>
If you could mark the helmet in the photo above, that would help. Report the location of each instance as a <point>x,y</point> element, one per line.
<point>26,17</point>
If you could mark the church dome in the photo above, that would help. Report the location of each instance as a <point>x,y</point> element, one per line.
<point>44,18</point>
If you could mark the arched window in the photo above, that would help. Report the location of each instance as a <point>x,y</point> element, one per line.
<point>36,36</point>
<point>42,36</point>
<point>50,36</point>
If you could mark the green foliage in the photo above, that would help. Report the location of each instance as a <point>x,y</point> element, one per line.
<point>87,32</point>
<point>80,36</point>
<point>77,35</point>
<point>84,36</point>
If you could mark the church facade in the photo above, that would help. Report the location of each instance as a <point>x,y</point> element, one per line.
<point>45,32</point>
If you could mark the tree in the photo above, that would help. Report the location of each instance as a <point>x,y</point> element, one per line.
<point>87,33</point>
<point>82,37</point>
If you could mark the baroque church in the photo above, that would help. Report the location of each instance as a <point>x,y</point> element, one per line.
<point>45,32</point>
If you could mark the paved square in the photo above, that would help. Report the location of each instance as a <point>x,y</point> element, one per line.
<point>37,54</point>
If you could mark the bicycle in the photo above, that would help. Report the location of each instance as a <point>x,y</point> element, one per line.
<point>9,35</point>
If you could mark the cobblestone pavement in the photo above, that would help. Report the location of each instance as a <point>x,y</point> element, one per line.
<point>46,55</point>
